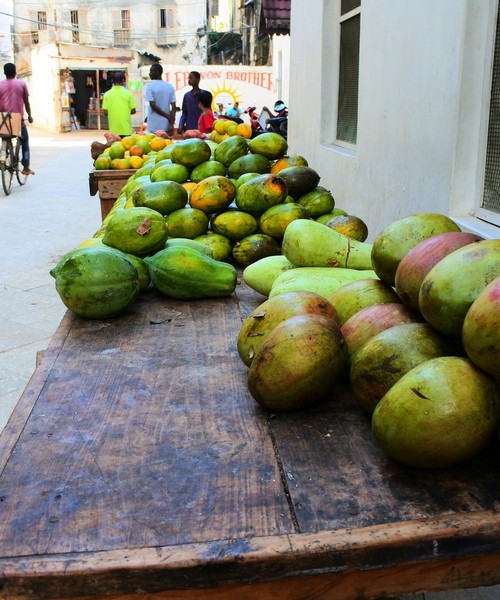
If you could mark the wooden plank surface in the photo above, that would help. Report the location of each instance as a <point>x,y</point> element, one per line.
<point>339,477</point>
<point>137,465</point>
<point>142,436</point>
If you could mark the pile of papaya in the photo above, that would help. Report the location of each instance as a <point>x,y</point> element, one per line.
<point>194,212</point>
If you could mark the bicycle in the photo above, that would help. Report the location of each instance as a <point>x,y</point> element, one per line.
<point>10,155</point>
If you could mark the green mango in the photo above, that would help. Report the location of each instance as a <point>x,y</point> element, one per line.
<point>261,274</point>
<point>307,243</point>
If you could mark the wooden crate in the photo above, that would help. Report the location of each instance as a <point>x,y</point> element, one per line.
<point>136,465</point>
<point>108,184</point>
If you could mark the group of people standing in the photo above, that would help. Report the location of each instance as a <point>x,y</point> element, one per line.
<point>196,112</point>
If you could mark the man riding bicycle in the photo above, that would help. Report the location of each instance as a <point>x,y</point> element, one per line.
<point>14,98</point>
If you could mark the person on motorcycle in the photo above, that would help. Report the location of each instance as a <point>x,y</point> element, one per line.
<point>279,122</point>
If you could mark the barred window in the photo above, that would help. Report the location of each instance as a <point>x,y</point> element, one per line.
<point>347,114</point>
<point>491,194</point>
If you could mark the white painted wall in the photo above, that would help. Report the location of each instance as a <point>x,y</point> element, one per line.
<point>423,105</point>
<point>281,68</point>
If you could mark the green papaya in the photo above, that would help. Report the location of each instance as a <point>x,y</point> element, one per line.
<point>162,196</point>
<point>312,244</point>
<point>220,245</point>
<point>173,242</point>
<point>183,273</point>
<point>250,163</point>
<point>231,149</point>
<point>166,170</point>
<point>300,180</point>
<point>271,145</point>
<point>138,230</point>
<point>260,193</point>
<point>244,178</point>
<point>190,152</point>
<point>276,219</point>
<point>318,201</point>
<point>207,169</point>
<point>97,282</point>
<point>234,224</point>
<point>254,247</point>
<point>336,212</point>
<point>187,222</point>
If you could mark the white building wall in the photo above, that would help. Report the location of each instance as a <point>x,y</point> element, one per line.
<point>281,68</point>
<point>422,114</point>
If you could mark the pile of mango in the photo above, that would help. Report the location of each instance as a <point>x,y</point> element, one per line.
<point>411,322</point>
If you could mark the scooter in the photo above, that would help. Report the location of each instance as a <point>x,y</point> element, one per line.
<point>257,128</point>
<point>267,122</point>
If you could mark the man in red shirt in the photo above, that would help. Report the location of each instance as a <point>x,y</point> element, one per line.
<point>14,98</point>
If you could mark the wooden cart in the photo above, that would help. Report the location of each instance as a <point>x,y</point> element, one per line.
<point>137,466</point>
<point>108,183</point>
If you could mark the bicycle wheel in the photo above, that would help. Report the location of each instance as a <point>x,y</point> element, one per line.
<point>6,157</point>
<point>21,179</point>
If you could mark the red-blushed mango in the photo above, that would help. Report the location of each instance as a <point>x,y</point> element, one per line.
<point>399,237</point>
<point>415,265</point>
<point>369,321</point>
<point>481,330</point>
<point>354,296</point>
<point>386,357</point>
<point>449,289</point>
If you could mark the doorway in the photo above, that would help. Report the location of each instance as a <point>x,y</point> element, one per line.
<point>88,88</point>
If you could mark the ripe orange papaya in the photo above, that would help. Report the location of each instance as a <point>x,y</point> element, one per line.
<point>212,194</point>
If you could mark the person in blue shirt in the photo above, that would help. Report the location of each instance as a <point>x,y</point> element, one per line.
<point>190,104</point>
<point>160,99</point>
<point>234,111</point>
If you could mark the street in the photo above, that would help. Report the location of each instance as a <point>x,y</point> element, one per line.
<point>42,220</point>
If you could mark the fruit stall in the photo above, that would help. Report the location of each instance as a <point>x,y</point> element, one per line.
<point>108,184</point>
<point>272,408</point>
<point>137,463</point>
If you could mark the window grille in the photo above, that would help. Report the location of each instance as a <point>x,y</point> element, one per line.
<point>125,16</point>
<point>122,34</point>
<point>491,195</point>
<point>347,117</point>
<point>42,19</point>
<point>75,34</point>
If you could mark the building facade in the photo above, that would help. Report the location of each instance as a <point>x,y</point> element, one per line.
<point>67,51</point>
<point>397,106</point>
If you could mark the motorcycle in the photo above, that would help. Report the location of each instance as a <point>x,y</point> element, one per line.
<point>254,121</point>
<point>267,122</point>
